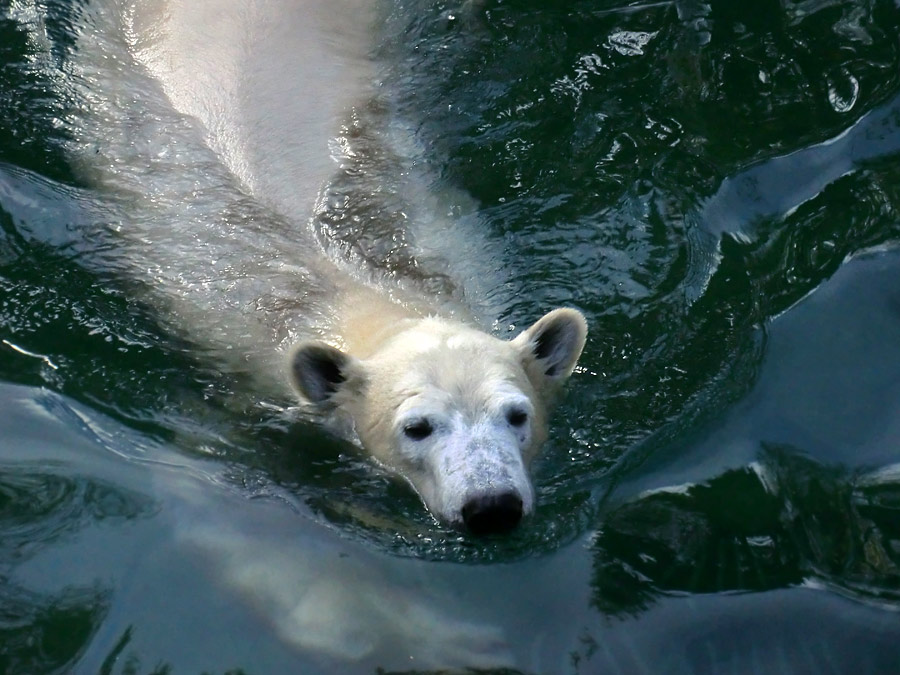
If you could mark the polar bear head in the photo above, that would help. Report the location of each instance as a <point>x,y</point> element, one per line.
<point>458,413</point>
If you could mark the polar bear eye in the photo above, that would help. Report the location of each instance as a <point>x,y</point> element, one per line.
<point>517,417</point>
<point>418,430</point>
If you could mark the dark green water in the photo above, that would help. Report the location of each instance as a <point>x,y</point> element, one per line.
<point>715,185</point>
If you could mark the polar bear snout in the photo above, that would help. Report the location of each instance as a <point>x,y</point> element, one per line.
<point>476,476</point>
<point>492,513</point>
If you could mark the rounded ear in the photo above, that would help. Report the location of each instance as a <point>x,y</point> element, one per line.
<point>320,371</point>
<point>552,345</point>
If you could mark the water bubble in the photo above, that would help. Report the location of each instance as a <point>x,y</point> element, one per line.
<point>630,43</point>
<point>843,91</point>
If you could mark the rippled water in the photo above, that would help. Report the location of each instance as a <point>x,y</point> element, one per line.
<point>714,184</point>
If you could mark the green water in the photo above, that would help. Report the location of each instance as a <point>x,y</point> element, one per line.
<point>714,184</point>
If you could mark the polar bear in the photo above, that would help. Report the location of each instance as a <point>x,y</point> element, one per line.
<point>222,125</point>
<point>460,414</point>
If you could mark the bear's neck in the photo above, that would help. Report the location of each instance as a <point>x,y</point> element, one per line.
<point>368,320</point>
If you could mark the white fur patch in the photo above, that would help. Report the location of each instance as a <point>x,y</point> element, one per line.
<point>461,341</point>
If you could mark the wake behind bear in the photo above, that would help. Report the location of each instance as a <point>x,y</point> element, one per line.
<point>188,110</point>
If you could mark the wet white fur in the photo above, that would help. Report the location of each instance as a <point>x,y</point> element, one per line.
<point>465,384</point>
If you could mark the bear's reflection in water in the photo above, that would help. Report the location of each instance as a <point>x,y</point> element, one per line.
<point>339,603</point>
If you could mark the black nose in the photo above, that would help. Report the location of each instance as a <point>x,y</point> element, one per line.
<point>492,514</point>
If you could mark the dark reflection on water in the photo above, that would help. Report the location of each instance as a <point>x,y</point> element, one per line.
<point>118,661</point>
<point>37,509</point>
<point>42,632</point>
<point>784,521</point>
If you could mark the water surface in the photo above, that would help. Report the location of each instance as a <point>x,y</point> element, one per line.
<point>716,187</point>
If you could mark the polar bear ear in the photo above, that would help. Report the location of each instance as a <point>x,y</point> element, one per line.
<point>551,346</point>
<point>320,371</point>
